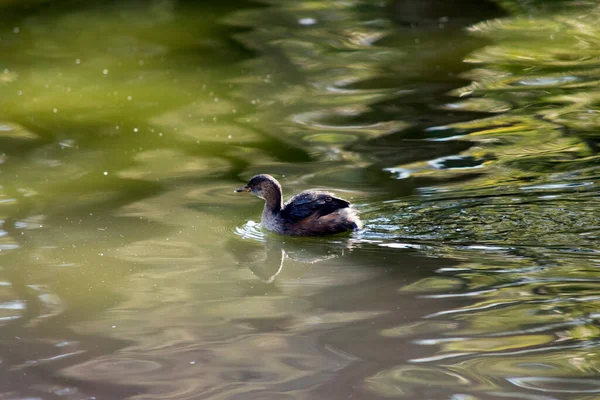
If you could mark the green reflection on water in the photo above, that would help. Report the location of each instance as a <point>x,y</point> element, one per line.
<point>128,261</point>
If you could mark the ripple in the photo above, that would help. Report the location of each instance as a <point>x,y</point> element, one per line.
<point>393,382</point>
<point>557,385</point>
<point>250,230</point>
<point>107,369</point>
<point>456,162</point>
<point>554,186</point>
<point>399,173</point>
<point>546,81</point>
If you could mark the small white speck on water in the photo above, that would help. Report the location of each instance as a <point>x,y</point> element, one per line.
<point>307,21</point>
<point>105,71</point>
<point>114,326</point>
<point>135,129</point>
<point>216,99</point>
<point>192,362</point>
<point>16,29</point>
<point>234,111</point>
<point>141,62</point>
<point>160,134</point>
<point>129,98</point>
<point>253,102</point>
<point>229,136</point>
<point>55,110</point>
<point>101,254</point>
<point>77,61</point>
<point>105,173</point>
<point>20,92</point>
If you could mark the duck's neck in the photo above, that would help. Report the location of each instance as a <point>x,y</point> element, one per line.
<point>273,199</point>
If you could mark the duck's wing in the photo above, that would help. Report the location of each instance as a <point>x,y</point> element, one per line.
<point>307,203</point>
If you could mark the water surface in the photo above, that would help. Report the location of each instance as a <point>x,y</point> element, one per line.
<point>467,137</point>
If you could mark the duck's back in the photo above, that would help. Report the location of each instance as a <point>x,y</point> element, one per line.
<point>316,213</point>
<point>309,203</point>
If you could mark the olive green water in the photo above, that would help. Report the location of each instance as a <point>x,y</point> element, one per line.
<point>466,135</point>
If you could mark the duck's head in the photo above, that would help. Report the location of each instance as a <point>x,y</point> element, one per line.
<point>263,186</point>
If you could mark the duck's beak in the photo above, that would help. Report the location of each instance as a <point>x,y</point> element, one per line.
<point>243,189</point>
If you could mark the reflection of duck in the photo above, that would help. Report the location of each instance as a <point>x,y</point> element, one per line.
<point>309,213</point>
<point>266,262</point>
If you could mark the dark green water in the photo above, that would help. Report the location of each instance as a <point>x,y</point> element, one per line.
<point>466,134</point>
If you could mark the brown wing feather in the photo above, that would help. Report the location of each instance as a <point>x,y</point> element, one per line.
<point>310,203</point>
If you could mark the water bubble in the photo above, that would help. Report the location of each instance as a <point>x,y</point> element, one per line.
<point>55,110</point>
<point>135,129</point>
<point>16,29</point>
<point>105,71</point>
<point>77,61</point>
<point>129,98</point>
<point>105,173</point>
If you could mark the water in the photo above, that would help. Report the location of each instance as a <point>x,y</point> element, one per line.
<point>466,136</point>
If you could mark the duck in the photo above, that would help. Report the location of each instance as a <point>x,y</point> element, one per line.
<point>309,213</point>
